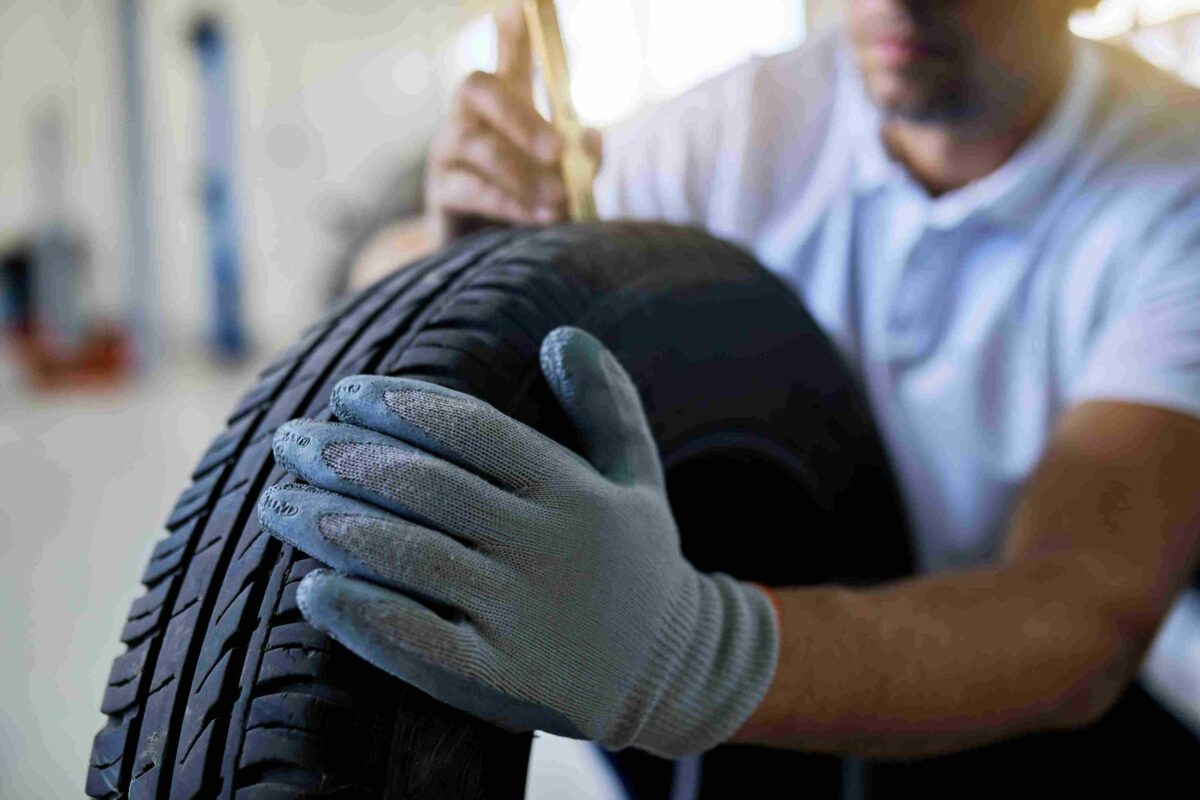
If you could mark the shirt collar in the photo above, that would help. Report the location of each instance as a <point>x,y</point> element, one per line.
<point>1007,196</point>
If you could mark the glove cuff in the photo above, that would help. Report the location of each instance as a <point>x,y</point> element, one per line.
<point>726,663</point>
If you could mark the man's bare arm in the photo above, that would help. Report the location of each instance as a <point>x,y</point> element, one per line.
<point>1105,534</point>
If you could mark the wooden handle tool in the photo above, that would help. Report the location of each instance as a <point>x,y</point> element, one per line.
<point>577,167</point>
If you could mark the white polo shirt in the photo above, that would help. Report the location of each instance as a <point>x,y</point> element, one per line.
<point>972,319</point>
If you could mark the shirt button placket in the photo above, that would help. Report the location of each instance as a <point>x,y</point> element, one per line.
<point>908,304</point>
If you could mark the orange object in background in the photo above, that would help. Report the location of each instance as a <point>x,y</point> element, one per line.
<point>103,360</point>
<point>55,342</point>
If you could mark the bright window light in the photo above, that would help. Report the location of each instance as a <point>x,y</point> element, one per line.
<point>1164,32</point>
<point>474,48</point>
<point>626,53</point>
<point>1153,12</point>
<point>689,40</point>
<point>1112,18</point>
<point>607,64</point>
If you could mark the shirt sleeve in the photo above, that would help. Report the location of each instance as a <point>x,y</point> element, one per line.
<point>1149,350</point>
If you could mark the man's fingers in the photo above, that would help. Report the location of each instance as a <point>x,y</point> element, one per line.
<point>454,425</point>
<point>514,64</point>
<point>464,190</point>
<point>601,399</point>
<point>359,539</point>
<point>490,99</point>
<point>449,660</point>
<point>489,153</point>
<point>386,627</point>
<point>403,479</point>
<point>498,159</point>
<point>593,141</point>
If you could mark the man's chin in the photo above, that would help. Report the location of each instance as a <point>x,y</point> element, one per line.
<point>903,99</point>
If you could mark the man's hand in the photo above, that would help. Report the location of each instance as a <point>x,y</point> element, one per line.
<point>497,158</point>
<point>508,576</point>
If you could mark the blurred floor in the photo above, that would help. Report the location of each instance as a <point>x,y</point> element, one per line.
<point>87,483</point>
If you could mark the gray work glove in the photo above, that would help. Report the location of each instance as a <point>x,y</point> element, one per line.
<point>503,574</point>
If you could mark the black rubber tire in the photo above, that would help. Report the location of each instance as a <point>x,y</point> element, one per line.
<point>224,691</point>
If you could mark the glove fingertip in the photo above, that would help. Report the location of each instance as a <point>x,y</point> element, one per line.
<point>550,353</point>
<point>313,596</point>
<point>345,391</point>
<point>268,507</point>
<point>567,354</point>
<point>290,436</point>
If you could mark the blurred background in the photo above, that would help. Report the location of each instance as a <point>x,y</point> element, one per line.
<point>184,186</point>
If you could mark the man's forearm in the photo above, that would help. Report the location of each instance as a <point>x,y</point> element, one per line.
<point>944,662</point>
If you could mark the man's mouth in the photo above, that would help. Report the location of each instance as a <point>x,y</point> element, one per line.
<point>900,50</point>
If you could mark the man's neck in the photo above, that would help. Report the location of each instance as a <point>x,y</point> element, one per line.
<point>943,156</point>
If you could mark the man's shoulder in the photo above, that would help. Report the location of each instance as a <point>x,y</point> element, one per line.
<point>1142,160</point>
<point>1151,118</point>
<point>1132,76</point>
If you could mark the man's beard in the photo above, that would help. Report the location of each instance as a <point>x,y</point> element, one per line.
<point>951,101</point>
<point>959,99</point>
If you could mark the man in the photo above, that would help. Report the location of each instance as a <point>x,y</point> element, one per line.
<point>997,225</point>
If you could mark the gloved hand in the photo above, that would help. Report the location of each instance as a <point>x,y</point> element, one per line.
<point>503,574</point>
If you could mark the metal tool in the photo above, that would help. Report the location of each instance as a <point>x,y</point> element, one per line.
<point>577,167</point>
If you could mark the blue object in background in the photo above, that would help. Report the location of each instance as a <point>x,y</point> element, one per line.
<point>228,332</point>
<point>139,281</point>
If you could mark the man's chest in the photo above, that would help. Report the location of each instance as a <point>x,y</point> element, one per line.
<point>964,338</point>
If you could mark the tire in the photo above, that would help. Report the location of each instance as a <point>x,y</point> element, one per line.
<point>224,691</point>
